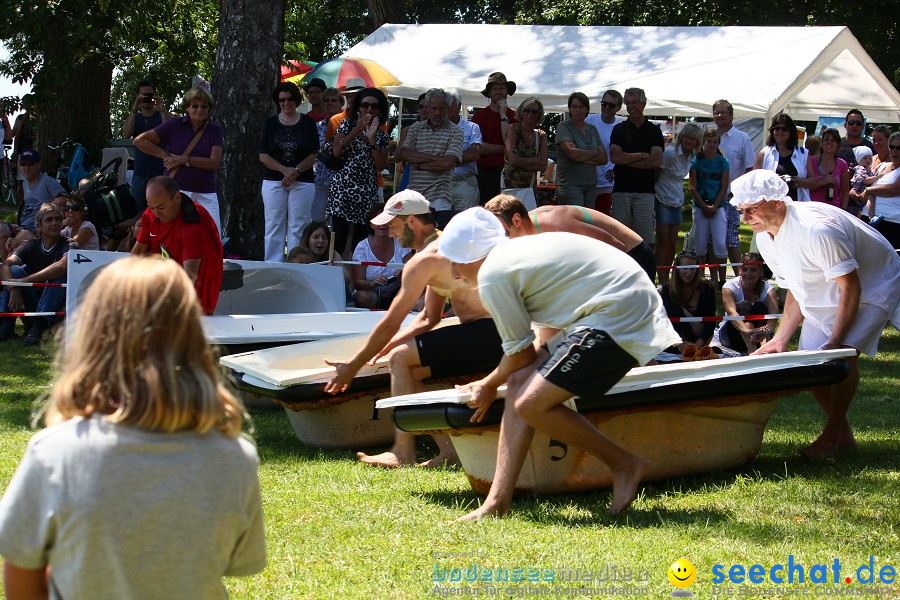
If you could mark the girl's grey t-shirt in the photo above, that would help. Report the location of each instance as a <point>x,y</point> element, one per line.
<point>121,512</point>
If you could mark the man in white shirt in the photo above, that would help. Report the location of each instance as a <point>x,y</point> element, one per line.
<point>738,149</point>
<point>464,193</point>
<point>600,298</point>
<point>604,121</point>
<point>843,281</point>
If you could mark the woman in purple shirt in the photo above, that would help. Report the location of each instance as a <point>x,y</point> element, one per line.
<point>195,171</point>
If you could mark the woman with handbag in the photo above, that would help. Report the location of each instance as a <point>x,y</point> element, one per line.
<point>581,151</point>
<point>191,149</point>
<point>362,146</point>
<point>288,146</point>
<point>526,152</point>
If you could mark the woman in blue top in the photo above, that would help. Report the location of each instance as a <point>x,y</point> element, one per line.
<point>709,186</point>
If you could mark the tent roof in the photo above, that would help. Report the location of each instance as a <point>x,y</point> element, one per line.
<point>807,71</point>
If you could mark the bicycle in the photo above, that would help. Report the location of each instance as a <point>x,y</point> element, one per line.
<point>8,180</point>
<point>62,172</point>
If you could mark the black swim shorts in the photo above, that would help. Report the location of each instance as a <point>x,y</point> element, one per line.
<point>587,363</point>
<point>644,256</point>
<point>471,347</point>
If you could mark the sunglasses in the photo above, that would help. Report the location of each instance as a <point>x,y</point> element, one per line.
<point>531,111</point>
<point>288,99</point>
<point>26,163</point>
<point>781,128</point>
<point>199,106</point>
<point>368,105</point>
<point>609,104</point>
<point>894,148</point>
<point>688,253</point>
<point>854,123</point>
<point>749,210</point>
<point>72,207</point>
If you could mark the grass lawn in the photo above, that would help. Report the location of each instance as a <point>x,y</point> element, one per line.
<point>337,529</point>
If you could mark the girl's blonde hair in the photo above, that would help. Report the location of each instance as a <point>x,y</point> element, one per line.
<point>139,356</point>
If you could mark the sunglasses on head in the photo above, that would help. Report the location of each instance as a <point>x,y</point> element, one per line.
<point>368,105</point>
<point>854,123</point>
<point>609,104</point>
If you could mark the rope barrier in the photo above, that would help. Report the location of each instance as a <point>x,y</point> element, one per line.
<point>25,284</point>
<point>725,318</point>
<point>706,266</point>
<point>367,263</point>
<point>32,314</point>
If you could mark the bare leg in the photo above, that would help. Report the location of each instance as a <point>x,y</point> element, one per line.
<point>515,439</point>
<point>446,453</point>
<point>540,405</point>
<point>406,378</point>
<point>835,401</point>
<point>734,257</point>
<point>722,273</point>
<point>662,252</point>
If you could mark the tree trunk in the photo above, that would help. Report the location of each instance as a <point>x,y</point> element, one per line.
<point>386,11</point>
<point>251,42</point>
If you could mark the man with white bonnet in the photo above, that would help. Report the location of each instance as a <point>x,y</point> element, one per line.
<point>611,317</point>
<point>843,282</point>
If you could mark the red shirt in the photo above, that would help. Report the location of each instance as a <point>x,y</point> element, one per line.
<point>182,241</point>
<point>489,122</point>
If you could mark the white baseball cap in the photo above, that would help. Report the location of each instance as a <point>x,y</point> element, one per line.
<point>407,202</point>
<point>471,235</point>
<point>756,186</point>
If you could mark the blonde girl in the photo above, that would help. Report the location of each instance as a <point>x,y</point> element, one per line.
<point>709,185</point>
<point>141,486</point>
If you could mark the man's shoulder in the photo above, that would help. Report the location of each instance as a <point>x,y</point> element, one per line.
<point>484,114</point>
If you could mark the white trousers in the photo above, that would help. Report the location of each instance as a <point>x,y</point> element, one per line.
<point>710,230</point>
<point>208,201</point>
<point>319,202</point>
<point>287,210</point>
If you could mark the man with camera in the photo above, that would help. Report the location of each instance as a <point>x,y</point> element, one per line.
<point>147,112</point>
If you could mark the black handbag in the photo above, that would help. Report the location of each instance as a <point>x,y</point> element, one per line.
<point>326,157</point>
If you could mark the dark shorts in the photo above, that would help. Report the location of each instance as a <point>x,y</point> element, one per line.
<point>386,293</point>
<point>644,256</point>
<point>587,363</point>
<point>459,349</point>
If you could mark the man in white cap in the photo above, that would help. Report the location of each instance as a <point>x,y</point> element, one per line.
<point>843,282</point>
<point>417,353</point>
<point>611,316</point>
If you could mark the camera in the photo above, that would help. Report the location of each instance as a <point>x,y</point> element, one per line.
<point>148,97</point>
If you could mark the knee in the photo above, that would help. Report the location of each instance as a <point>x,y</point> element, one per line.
<point>527,411</point>
<point>403,356</point>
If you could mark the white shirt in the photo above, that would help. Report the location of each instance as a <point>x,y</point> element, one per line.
<point>738,149</point>
<point>816,244</point>
<point>471,135</point>
<point>670,185</point>
<point>798,158</point>
<point>564,280</point>
<point>363,253</point>
<point>888,206</point>
<point>605,130</point>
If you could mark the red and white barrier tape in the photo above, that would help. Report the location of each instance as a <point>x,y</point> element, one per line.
<point>25,284</point>
<point>32,314</point>
<point>368,263</point>
<point>725,318</point>
<point>707,266</point>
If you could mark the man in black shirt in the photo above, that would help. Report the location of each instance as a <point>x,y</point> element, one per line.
<point>42,259</point>
<point>855,123</point>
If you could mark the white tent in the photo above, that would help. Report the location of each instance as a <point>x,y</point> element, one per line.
<point>805,71</point>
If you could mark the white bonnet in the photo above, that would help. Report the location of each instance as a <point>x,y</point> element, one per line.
<point>756,186</point>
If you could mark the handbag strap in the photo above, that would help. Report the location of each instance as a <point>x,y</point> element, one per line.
<point>190,147</point>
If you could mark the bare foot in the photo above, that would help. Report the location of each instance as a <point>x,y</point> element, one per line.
<point>387,460</point>
<point>446,456</point>
<point>484,511</point>
<point>821,448</point>
<point>625,483</point>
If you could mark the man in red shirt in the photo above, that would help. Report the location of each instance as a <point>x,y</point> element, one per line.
<point>177,228</point>
<point>493,120</point>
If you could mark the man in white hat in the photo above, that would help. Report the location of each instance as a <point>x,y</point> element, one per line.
<point>612,318</point>
<point>843,282</point>
<point>417,352</point>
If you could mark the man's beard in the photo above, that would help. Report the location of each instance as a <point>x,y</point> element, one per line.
<point>408,239</point>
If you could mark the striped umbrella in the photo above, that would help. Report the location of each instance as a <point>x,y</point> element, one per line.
<point>294,70</point>
<point>337,71</point>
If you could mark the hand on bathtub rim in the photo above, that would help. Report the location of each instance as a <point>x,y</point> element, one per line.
<point>481,396</point>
